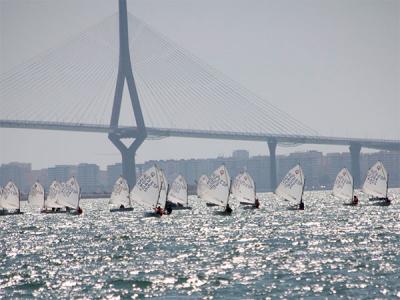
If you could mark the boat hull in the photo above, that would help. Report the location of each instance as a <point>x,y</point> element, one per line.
<point>121,209</point>
<point>10,213</point>
<point>53,212</point>
<point>350,204</point>
<point>222,213</point>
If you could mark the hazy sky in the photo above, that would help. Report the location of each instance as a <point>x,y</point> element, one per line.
<point>334,65</point>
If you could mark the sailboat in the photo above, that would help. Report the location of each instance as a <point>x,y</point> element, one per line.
<point>376,184</point>
<point>10,200</point>
<point>70,196</point>
<point>51,205</point>
<point>202,185</point>
<point>218,189</point>
<point>36,196</point>
<point>244,190</point>
<point>291,187</point>
<point>178,194</point>
<point>150,191</point>
<point>119,199</point>
<point>343,187</point>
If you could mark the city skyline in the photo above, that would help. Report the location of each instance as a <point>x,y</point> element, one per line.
<point>320,169</point>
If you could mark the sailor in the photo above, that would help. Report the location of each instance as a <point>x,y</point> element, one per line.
<point>122,206</point>
<point>228,209</point>
<point>159,210</point>
<point>79,210</point>
<point>169,209</point>
<point>355,200</point>
<point>301,205</point>
<point>257,203</point>
<point>387,201</point>
<point>18,211</point>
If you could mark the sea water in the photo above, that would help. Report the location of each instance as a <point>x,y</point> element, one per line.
<point>328,250</point>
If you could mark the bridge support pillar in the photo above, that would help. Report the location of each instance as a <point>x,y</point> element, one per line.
<point>355,150</point>
<point>125,74</point>
<point>272,163</point>
<point>128,156</point>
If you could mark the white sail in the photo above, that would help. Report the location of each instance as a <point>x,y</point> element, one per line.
<point>55,190</point>
<point>376,182</point>
<point>162,199</point>
<point>343,187</point>
<point>202,185</point>
<point>70,194</point>
<point>10,196</point>
<point>147,189</point>
<point>36,195</point>
<point>178,193</point>
<point>292,185</point>
<point>120,193</point>
<point>218,185</point>
<point>243,188</point>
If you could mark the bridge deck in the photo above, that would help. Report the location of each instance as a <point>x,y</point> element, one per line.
<point>152,132</point>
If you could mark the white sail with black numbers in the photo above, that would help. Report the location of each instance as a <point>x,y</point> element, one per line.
<point>243,188</point>
<point>147,189</point>
<point>70,194</point>
<point>376,182</point>
<point>178,193</point>
<point>292,185</point>
<point>343,187</point>
<point>202,185</point>
<point>120,193</point>
<point>36,195</point>
<point>10,196</point>
<point>218,186</point>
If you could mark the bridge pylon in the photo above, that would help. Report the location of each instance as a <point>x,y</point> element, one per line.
<point>125,74</point>
<point>272,163</point>
<point>355,149</point>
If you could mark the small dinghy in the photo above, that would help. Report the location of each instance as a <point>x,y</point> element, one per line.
<point>36,196</point>
<point>291,188</point>
<point>120,200</point>
<point>70,196</point>
<point>244,190</point>
<point>150,192</point>
<point>376,183</point>
<point>218,189</point>
<point>343,188</point>
<point>178,194</point>
<point>10,203</point>
<point>51,205</point>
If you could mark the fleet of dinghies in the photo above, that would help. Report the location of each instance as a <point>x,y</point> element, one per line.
<point>152,192</point>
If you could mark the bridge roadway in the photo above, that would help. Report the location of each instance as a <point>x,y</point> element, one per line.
<point>355,144</point>
<point>127,132</point>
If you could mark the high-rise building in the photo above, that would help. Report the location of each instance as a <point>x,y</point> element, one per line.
<point>16,172</point>
<point>88,178</point>
<point>60,173</point>
<point>113,172</point>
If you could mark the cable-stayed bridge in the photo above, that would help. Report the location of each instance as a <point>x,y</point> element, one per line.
<point>79,86</point>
